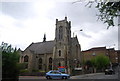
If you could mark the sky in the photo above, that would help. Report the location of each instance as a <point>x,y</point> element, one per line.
<point>24,22</point>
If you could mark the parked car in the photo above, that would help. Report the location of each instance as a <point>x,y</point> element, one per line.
<point>109,71</point>
<point>55,74</point>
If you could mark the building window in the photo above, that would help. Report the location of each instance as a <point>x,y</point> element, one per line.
<point>40,63</point>
<point>94,54</point>
<point>50,60</point>
<point>40,60</point>
<point>59,64</point>
<point>50,63</point>
<point>26,58</point>
<point>40,67</point>
<point>60,32</point>
<point>59,52</point>
<point>50,67</point>
<point>36,56</point>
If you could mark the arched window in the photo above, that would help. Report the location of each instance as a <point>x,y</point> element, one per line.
<point>59,52</point>
<point>60,32</point>
<point>26,58</point>
<point>50,60</point>
<point>50,63</point>
<point>59,64</point>
<point>40,63</point>
<point>40,66</point>
<point>40,60</point>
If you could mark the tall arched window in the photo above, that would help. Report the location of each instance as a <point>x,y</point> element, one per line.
<point>26,58</point>
<point>50,63</point>
<point>50,60</point>
<point>60,32</point>
<point>40,63</point>
<point>40,60</point>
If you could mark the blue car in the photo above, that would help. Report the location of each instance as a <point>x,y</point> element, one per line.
<point>54,74</point>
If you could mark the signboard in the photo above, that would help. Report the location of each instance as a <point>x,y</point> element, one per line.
<point>61,69</point>
<point>78,68</point>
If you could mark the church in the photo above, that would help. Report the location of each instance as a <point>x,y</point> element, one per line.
<point>63,51</point>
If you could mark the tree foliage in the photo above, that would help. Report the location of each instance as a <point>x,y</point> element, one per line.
<point>10,58</point>
<point>100,62</point>
<point>88,63</point>
<point>108,11</point>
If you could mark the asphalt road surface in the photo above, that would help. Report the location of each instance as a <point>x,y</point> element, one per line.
<point>85,77</point>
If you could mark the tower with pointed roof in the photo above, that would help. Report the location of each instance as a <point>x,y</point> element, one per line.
<point>62,49</point>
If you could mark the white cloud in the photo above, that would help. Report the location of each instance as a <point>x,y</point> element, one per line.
<point>36,18</point>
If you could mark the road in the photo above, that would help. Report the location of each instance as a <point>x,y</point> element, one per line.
<point>97,76</point>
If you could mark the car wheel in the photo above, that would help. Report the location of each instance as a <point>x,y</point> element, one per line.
<point>64,77</point>
<point>105,73</point>
<point>48,77</point>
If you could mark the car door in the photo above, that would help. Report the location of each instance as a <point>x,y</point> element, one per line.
<point>56,75</point>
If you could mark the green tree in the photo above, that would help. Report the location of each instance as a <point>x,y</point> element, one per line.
<point>10,58</point>
<point>88,63</point>
<point>100,62</point>
<point>94,64</point>
<point>108,12</point>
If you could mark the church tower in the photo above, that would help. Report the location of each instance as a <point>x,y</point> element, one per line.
<point>61,50</point>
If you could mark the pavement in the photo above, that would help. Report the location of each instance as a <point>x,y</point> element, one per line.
<point>32,77</point>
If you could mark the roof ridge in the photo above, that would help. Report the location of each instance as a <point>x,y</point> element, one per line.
<point>44,42</point>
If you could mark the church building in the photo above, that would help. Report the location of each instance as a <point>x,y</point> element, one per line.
<point>63,51</point>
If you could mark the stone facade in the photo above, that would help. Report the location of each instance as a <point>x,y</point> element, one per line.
<point>64,50</point>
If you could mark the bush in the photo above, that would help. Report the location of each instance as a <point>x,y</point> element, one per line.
<point>24,71</point>
<point>35,70</point>
<point>41,71</point>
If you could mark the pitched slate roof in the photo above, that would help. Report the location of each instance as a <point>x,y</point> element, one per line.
<point>41,47</point>
<point>74,40</point>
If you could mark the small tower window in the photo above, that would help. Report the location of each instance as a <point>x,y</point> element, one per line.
<point>59,52</point>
